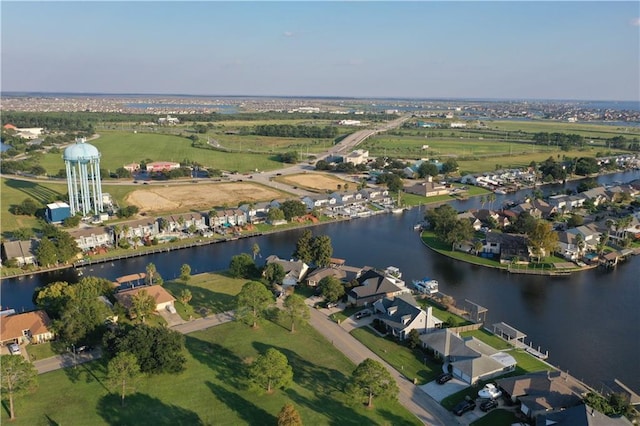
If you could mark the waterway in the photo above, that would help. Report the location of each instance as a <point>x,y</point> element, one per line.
<point>589,322</point>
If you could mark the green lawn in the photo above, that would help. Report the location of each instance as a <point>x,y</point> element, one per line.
<point>40,351</point>
<point>212,292</point>
<point>429,238</point>
<point>443,314</point>
<point>213,388</point>
<point>118,148</point>
<point>411,363</point>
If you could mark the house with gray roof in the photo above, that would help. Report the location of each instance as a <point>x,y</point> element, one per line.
<point>543,391</point>
<point>401,314</point>
<point>374,285</point>
<point>90,238</point>
<point>22,252</point>
<point>471,360</point>
<point>580,415</point>
<point>295,270</point>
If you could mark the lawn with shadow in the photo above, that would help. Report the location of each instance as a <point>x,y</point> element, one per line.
<point>211,292</point>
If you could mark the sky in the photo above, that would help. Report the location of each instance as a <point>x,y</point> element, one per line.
<point>496,50</point>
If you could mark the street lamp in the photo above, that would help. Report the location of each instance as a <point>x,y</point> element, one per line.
<point>73,346</point>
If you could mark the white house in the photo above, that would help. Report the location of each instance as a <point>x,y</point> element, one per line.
<point>295,270</point>
<point>401,314</point>
<point>90,238</point>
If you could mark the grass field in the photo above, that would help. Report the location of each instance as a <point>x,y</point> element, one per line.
<point>120,148</point>
<point>212,292</point>
<point>316,181</point>
<point>413,364</point>
<point>212,390</point>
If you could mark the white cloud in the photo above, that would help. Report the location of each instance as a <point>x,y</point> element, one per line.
<point>288,34</point>
<point>635,22</point>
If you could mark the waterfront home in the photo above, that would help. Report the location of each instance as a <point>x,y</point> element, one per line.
<point>316,201</point>
<point>141,228</point>
<point>295,270</point>
<point>546,210</point>
<point>590,234</point>
<point>376,195</point>
<point>471,359</point>
<point>559,202</point>
<point>428,188</point>
<point>567,246</point>
<point>506,246</point>
<point>91,238</point>
<point>597,195</point>
<point>543,391</point>
<point>255,213</point>
<point>29,327</point>
<point>21,252</point>
<point>227,218</point>
<point>374,285</point>
<point>183,222</point>
<point>401,314</point>
<point>163,299</point>
<point>529,208</point>
<point>476,224</point>
<point>579,415</point>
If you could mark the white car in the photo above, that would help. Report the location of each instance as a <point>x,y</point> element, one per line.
<point>490,391</point>
<point>14,348</point>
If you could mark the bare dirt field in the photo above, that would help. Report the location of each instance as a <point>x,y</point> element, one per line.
<point>317,181</point>
<point>202,196</point>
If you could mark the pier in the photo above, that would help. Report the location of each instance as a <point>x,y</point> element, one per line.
<point>516,338</point>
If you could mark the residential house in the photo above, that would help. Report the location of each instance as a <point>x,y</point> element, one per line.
<point>476,224</point>
<point>543,392</point>
<point>469,179</point>
<point>91,238</point>
<point>317,201</point>
<point>579,415</point>
<point>256,213</point>
<point>590,234</point>
<point>507,246</point>
<point>598,195</point>
<point>567,246</point>
<point>183,222</point>
<point>29,327</point>
<point>146,228</point>
<point>341,271</point>
<point>22,252</point>
<point>374,285</point>
<point>359,156</point>
<point>546,210</point>
<point>529,208</point>
<point>401,314</point>
<point>471,359</point>
<point>227,218</point>
<point>428,188</point>
<point>559,202</point>
<point>295,270</point>
<point>162,297</point>
<point>375,195</point>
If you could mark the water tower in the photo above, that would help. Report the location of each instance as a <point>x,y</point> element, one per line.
<point>82,161</point>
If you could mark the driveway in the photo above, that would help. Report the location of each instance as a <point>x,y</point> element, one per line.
<point>440,392</point>
<point>171,319</point>
<point>414,399</point>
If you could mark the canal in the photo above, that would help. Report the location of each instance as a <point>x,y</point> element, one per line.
<point>589,322</point>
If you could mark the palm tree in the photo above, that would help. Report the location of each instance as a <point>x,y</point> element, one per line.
<point>151,270</point>
<point>491,198</point>
<point>125,230</point>
<point>116,233</point>
<point>255,250</point>
<point>580,244</point>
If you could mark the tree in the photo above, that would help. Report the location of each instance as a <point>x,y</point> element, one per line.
<point>255,250</point>
<point>46,253</point>
<point>23,234</point>
<point>461,231</point>
<point>275,214</point>
<point>242,266</point>
<point>289,416</point>
<point>303,250</point>
<point>477,246</point>
<point>142,304</point>
<point>121,369</point>
<point>371,379</point>
<point>27,207</point>
<point>321,250</point>
<point>332,289</point>
<point>66,247</point>
<point>151,272</point>
<point>252,301</point>
<point>185,296</point>
<point>295,310</point>
<point>18,376</point>
<point>413,339</point>
<point>442,219</point>
<point>271,370</point>
<point>586,166</point>
<point>274,273</point>
<point>575,220</point>
<point>427,169</point>
<point>543,239</point>
<point>71,221</point>
<point>185,272</point>
<point>449,166</point>
<point>293,208</point>
<point>157,349</point>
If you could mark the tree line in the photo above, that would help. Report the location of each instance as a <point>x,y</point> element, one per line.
<point>297,131</point>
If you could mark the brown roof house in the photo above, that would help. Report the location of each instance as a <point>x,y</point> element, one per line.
<point>23,252</point>
<point>29,327</point>
<point>162,297</point>
<point>374,286</point>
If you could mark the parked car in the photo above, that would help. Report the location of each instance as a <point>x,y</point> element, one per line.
<point>490,391</point>
<point>462,407</point>
<point>14,349</point>
<point>363,314</point>
<point>331,305</point>
<point>444,378</point>
<point>489,405</point>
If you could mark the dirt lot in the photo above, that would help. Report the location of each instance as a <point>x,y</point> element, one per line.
<point>201,196</point>
<point>317,181</point>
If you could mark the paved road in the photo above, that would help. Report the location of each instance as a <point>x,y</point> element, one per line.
<point>65,360</point>
<point>204,323</point>
<point>412,397</point>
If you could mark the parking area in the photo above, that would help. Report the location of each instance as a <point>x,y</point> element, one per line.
<point>440,392</point>
<point>171,318</point>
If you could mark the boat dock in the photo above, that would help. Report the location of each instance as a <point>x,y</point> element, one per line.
<point>516,338</point>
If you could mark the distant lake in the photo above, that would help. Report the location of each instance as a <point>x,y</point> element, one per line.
<point>4,147</point>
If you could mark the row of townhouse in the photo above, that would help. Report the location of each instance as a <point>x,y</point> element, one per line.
<point>500,178</point>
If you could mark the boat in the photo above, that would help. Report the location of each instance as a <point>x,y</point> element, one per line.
<point>397,210</point>
<point>426,286</point>
<point>500,191</point>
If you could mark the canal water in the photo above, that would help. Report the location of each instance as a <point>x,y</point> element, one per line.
<point>589,322</point>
